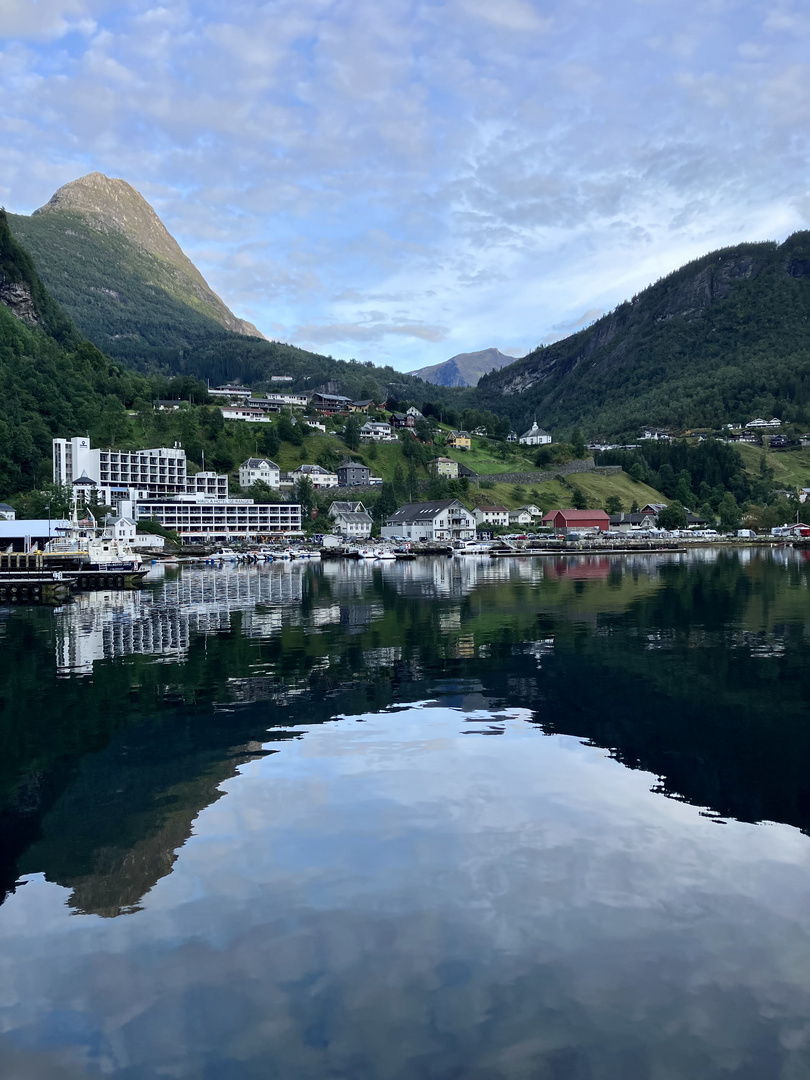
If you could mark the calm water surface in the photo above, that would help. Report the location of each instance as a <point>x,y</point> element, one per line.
<point>453,818</point>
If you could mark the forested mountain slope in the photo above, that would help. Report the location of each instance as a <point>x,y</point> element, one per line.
<point>109,261</point>
<point>726,337</point>
<point>51,381</point>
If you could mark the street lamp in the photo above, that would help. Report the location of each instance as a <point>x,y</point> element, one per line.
<point>48,508</point>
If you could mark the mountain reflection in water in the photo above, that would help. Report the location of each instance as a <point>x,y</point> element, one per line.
<point>132,783</point>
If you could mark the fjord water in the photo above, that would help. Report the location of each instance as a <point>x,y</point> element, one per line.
<point>454,818</point>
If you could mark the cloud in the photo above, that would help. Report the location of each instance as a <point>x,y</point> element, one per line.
<point>371,330</point>
<point>463,168</point>
<point>46,19</point>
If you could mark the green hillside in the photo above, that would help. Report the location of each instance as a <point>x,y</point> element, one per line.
<point>112,265</point>
<point>52,382</point>
<point>726,337</point>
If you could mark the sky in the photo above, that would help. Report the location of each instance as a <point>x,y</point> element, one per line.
<point>402,181</point>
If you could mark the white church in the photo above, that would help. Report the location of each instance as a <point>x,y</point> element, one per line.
<point>535,436</point>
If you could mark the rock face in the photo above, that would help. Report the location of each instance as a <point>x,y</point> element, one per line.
<point>464,369</point>
<point>112,205</point>
<point>16,295</point>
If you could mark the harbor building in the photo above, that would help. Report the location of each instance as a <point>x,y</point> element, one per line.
<point>130,475</point>
<point>447,519</point>
<point>200,520</point>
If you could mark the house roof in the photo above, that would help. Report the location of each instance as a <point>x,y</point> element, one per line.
<point>318,470</point>
<point>4,508</point>
<point>576,515</point>
<point>492,509</point>
<point>425,511</point>
<point>629,519</point>
<point>533,430</point>
<point>352,517</point>
<point>353,465</point>
<point>256,463</point>
<point>347,506</point>
<point>364,403</point>
<point>459,435</point>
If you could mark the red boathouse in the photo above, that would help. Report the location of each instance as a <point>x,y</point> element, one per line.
<point>577,519</point>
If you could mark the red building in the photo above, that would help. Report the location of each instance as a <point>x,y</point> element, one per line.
<point>577,519</point>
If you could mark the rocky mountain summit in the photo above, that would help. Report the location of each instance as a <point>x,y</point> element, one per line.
<point>98,239</point>
<point>464,369</point>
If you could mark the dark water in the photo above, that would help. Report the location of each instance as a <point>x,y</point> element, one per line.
<point>447,819</point>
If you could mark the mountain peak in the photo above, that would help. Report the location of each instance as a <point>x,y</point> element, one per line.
<point>111,205</point>
<point>464,369</point>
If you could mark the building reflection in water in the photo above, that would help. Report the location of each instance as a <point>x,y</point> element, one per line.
<point>162,619</point>
<point>108,624</point>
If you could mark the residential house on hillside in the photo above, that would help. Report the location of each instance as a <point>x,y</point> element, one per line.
<point>351,473</point>
<point>535,436</point>
<point>354,524</point>
<point>414,412</point>
<point>253,414</point>
<point>402,420</point>
<point>230,393</point>
<point>491,515</point>
<point>782,442</point>
<point>628,522</point>
<point>320,477</point>
<point>447,519</point>
<point>653,509</point>
<point>533,511</point>
<point>7,513</point>
<point>363,406</point>
<point>761,424</point>
<point>459,440</point>
<point>345,506</point>
<point>377,431</point>
<point>512,437</point>
<point>577,519</point>
<point>445,466</point>
<point>259,469</point>
<point>316,425</point>
<point>329,404</point>
<point>520,517</point>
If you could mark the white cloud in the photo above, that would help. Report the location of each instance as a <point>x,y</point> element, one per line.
<point>485,170</point>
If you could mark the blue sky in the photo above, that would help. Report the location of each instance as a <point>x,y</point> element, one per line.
<point>402,181</point>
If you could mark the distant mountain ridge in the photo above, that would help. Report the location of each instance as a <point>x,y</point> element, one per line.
<point>464,369</point>
<point>725,337</point>
<point>113,267</point>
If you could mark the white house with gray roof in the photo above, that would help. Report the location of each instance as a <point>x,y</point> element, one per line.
<point>255,469</point>
<point>446,519</point>
<point>357,525</point>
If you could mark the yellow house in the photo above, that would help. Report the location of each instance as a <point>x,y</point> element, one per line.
<point>459,440</point>
<point>445,466</point>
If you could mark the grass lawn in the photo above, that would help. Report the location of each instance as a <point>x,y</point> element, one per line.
<point>595,487</point>
<point>791,468</point>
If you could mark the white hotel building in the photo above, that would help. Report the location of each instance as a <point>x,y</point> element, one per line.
<point>121,474</point>
<point>155,484</point>
<point>201,520</point>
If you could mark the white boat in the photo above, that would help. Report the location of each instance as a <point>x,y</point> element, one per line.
<point>473,547</point>
<point>83,543</point>
<point>384,554</point>
<point>224,555</point>
<point>368,553</point>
